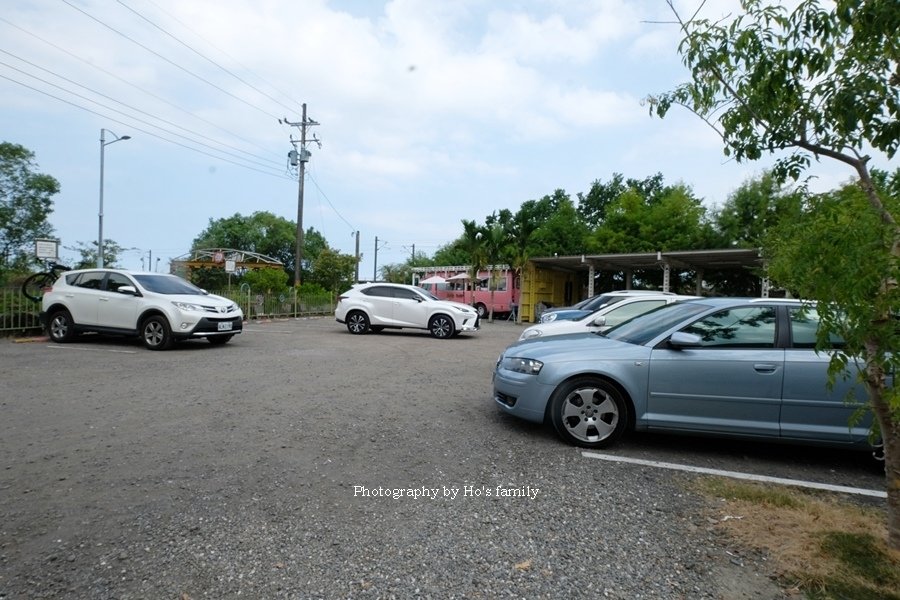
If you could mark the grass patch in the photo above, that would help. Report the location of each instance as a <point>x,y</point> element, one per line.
<point>825,545</point>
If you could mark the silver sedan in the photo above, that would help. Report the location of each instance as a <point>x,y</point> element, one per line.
<point>743,368</point>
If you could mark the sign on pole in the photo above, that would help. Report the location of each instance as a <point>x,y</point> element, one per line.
<point>46,249</point>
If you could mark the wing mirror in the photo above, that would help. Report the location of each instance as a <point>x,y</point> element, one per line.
<point>599,321</point>
<point>128,290</point>
<point>680,339</point>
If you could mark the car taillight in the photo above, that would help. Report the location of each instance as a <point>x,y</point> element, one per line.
<point>342,298</point>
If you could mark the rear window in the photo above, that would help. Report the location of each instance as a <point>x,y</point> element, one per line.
<point>805,329</point>
<point>89,280</point>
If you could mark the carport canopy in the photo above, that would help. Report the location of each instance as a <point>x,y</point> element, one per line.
<point>688,260</point>
<point>694,260</point>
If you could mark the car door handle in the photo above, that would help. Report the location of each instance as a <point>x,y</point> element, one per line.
<point>765,367</point>
<point>104,299</point>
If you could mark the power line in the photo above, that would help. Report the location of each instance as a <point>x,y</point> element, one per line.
<point>204,57</point>
<point>139,120</point>
<point>236,61</point>
<point>133,85</point>
<point>138,110</point>
<point>171,62</point>
<point>340,216</point>
<point>127,124</point>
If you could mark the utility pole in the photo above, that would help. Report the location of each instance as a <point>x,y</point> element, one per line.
<point>375,268</point>
<point>356,278</point>
<point>300,159</point>
<point>375,274</point>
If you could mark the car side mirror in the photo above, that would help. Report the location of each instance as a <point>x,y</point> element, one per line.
<point>128,290</point>
<point>599,321</point>
<point>680,339</point>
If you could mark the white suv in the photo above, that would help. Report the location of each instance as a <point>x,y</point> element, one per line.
<point>157,307</point>
<point>376,306</point>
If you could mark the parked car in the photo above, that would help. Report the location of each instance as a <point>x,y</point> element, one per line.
<point>743,368</point>
<point>604,318</point>
<point>377,306</point>
<point>589,305</point>
<point>157,307</point>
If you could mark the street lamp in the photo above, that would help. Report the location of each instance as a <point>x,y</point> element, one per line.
<point>104,144</point>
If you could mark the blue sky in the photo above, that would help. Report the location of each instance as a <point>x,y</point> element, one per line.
<point>430,112</point>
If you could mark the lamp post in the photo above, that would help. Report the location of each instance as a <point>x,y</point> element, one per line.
<point>104,144</point>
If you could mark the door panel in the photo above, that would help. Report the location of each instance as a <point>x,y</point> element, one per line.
<point>809,409</point>
<point>115,309</point>
<point>83,296</point>
<point>730,383</point>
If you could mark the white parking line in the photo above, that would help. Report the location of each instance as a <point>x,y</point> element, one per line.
<point>737,475</point>
<point>82,348</point>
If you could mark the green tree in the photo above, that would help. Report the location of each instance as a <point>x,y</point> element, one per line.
<point>593,205</point>
<point>26,201</point>
<point>267,281</point>
<point>453,253</point>
<point>87,252</point>
<point>263,233</point>
<point>209,278</point>
<point>333,271</point>
<point>753,209</point>
<point>815,82</point>
<point>556,225</point>
<point>472,242</point>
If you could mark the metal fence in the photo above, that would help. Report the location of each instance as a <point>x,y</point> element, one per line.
<point>19,315</point>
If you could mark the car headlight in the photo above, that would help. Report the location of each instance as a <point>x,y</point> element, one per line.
<point>187,306</point>
<point>548,318</point>
<point>531,333</point>
<point>522,365</point>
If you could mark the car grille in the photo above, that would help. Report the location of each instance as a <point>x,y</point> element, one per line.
<point>215,310</point>
<point>505,399</point>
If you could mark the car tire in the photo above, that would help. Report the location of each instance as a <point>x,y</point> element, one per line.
<point>219,340</point>
<point>357,323</point>
<point>589,412</point>
<point>60,326</point>
<point>441,327</point>
<point>482,310</point>
<point>156,333</point>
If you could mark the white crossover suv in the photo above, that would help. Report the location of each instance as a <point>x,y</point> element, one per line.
<point>377,306</point>
<point>157,307</point>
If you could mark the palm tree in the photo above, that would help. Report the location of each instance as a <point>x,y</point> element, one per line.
<point>495,239</point>
<point>473,244</point>
<point>517,252</point>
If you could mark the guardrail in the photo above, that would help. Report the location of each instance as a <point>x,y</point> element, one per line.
<point>19,315</point>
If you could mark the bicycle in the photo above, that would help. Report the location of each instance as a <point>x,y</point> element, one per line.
<point>34,286</point>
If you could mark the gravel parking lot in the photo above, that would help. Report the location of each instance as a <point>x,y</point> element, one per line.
<point>299,461</point>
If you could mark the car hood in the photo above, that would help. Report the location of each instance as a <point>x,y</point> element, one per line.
<point>577,346</point>
<point>456,305</point>
<point>205,300</point>
<point>570,314</point>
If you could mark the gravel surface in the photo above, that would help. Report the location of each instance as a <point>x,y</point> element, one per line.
<point>299,461</point>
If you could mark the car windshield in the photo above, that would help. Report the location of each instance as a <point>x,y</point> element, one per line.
<point>644,328</point>
<point>167,284</point>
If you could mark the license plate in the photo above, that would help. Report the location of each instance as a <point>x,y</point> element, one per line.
<point>225,326</point>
